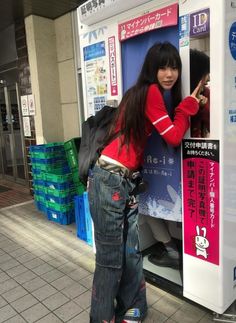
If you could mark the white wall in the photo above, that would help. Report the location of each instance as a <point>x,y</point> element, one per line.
<point>53,76</point>
<point>41,44</point>
<point>67,76</point>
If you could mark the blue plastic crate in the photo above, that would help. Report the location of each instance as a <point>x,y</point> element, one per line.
<point>60,168</point>
<point>59,186</point>
<point>36,171</point>
<point>80,218</point>
<point>65,169</point>
<point>83,218</point>
<point>40,206</point>
<point>58,199</point>
<point>48,161</point>
<point>38,182</point>
<point>61,217</point>
<point>60,193</point>
<point>51,147</point>
<point>39,192</point>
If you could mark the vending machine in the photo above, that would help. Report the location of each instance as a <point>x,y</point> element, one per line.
<point>208,162</point>
<point>191,187</point>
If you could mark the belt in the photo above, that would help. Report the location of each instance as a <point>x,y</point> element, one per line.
<point>117,169</point>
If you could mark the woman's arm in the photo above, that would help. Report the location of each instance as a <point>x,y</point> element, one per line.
<point>171,131</point>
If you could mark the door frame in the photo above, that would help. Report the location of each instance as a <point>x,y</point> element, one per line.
<point>15,177</point>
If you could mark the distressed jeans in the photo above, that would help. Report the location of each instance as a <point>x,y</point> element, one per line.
<point>119,290</point>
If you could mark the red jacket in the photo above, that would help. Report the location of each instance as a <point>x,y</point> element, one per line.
<point>157,116</point>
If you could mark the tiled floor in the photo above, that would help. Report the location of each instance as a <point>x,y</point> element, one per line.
<point>46,275</point>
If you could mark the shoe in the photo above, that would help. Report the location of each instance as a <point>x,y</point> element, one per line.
<point>164,260</point>
<point>132,313</point>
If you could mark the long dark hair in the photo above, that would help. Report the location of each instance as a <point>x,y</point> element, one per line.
<point>131,110</point>
<point>199,67</point>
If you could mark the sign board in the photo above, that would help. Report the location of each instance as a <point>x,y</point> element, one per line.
<point>26,126</point>
<point>200,23</point>
<point>31,104</point>
<point>201,191</point>
<point>167,16</point>
<point>24,105</point>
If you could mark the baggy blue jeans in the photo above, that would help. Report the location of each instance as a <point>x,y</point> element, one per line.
<point>119,290</point>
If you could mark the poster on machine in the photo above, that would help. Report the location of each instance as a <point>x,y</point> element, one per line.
<point>201,199</point>
<point>96,76</point>
<point>162,172</point>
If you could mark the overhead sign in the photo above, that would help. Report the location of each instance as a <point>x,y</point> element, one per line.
<point>93,11</point>
<point>167,16</point>
<point>200,23</point>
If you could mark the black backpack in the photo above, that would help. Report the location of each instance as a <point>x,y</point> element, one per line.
<point>94,135</point>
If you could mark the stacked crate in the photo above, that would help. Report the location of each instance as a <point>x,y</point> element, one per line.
<point>83,218</point>
<point>54,190</point>
<point>72,149</point>
<point>82,213</point>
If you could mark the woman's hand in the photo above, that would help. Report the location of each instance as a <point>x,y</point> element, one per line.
<point>197,91</point>
<point>202,100</point>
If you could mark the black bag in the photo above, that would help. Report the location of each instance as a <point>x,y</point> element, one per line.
<point>94,135</point>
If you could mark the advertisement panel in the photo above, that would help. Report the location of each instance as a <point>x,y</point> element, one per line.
<point>161,170</point>
<point>96,76</point>
<point>201,191</point>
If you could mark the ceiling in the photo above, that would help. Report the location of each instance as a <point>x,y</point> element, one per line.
<point>12,10</point>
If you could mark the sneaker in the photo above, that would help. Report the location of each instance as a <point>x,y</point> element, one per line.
<point>164,260</point>
<point>131,314</point>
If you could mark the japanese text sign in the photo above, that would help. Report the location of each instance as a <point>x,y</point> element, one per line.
<point>167,16</point>
<point>113,67</point>
<point>93,6</point>
<point>24,105</point>
<point>201,199</point>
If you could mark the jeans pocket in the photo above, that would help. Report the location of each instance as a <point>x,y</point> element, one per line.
<point>111,180</point>
<point>109,250</point>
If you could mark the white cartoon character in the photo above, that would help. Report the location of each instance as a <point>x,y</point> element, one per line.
<point>201,242</point>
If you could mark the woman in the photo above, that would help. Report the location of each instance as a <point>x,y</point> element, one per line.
<point>199,71</point>
<point>168,255</point>
<point>119,293</point>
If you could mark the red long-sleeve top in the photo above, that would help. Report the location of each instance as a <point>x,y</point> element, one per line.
<point>156,116</point>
